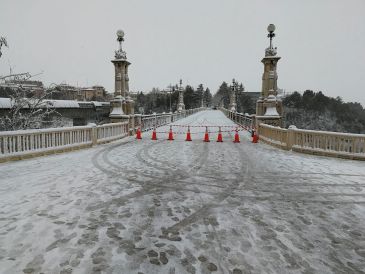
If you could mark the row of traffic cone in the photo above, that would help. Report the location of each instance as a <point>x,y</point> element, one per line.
<point>254,135</point>
<point>220,137</point>
<point>188,135</point>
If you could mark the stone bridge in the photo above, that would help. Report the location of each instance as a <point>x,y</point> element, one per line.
<point>143,206</point>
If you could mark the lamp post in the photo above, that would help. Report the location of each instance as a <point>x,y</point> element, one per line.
<point>271,29</point>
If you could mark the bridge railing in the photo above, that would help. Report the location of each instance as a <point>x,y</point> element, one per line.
<point>241,119</point>
<point>23,142</point>
<point>28,143</point>
<point>110,132</point>
<point>334,144</point>
<point>244,120</point>
<point>274,135</point>
<point>150,121</point>
<point>156,120</point>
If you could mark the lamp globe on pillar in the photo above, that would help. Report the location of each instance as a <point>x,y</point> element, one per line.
<point>271,29</point>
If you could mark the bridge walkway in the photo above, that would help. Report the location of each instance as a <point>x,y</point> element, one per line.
<point>143,206</point>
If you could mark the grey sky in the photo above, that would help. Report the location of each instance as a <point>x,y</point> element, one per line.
<point>321,42</point>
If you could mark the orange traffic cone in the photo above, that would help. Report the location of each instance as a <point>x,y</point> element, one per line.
<point>171,135</point>
<point>236,137</point>
<point>154,135</point>
<point>219,139</point>
<point>255,137</point>
<point>188,136</point>
<point>206,135</point>
<point>138,134</point>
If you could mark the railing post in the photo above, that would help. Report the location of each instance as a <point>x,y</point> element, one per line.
<point>138,121</point>
<point>94,135</point>
<point>290,137</point>
<point>131,124</point>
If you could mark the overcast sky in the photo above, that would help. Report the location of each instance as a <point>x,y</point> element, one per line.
<point>321,42</point>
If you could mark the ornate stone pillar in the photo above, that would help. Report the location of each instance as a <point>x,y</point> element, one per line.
<point>121,105</point>
<point>269,109</point>
<point>232,96</point>
<point>181,105</point>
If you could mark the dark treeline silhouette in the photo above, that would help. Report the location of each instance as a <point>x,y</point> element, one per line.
<point>314,110</point>
<point>159,101</point>
<point>245,104</point>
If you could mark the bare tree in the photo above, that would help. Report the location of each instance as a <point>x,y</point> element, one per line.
<point>28,110</point>
<point>3,42</point>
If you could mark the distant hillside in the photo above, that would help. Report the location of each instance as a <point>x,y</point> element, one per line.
<point>314,110</point>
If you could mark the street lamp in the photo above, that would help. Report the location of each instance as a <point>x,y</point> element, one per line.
<point>271,29</point>
<point>120,39</point>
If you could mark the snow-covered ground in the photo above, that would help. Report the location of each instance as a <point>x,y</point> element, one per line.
<point>143,206</point>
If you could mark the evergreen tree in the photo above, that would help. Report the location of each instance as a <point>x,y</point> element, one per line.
<point>200,94</point>
<point>207,97</point>
<point>189,97</point>
<point>245,104</point>
<point>222,95</point>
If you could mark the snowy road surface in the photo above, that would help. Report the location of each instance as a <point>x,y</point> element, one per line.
<point>182,207</point>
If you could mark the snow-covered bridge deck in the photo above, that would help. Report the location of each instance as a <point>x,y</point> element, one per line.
<point>182,207</point>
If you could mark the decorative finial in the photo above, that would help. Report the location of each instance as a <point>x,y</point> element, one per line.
<point>270,51</point>
<point>120,54</point>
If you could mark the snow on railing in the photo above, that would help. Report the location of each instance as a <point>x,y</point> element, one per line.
<point>27,143</point>
<point>112,131</point>
<point>15,144</point>
<point>157,120</point>
<point>244,120</point>
<point>275,135</point>
<point>335,144</point>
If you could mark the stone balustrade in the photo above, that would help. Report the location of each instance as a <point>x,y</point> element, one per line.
<point>20,144</point>
<point>274,135</point>
<point>325,143</point>
<point>244,120</point>
<point>156,120</point>
<point>30,143</point>
<point>110,132</point>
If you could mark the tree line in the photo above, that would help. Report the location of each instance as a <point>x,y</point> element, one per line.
<point>245,103</point>
<point>159,101</point>
<point>314,110</point>
<point>165,100</point>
